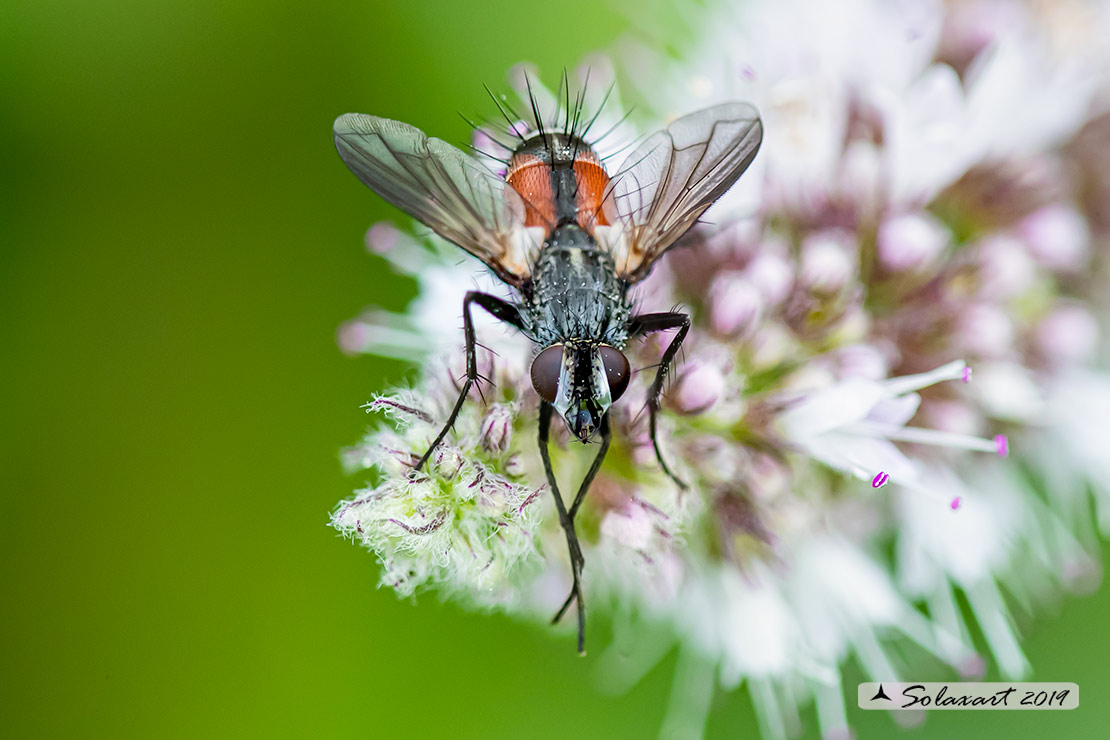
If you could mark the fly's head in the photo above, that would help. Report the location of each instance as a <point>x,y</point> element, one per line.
<point>581,380</point>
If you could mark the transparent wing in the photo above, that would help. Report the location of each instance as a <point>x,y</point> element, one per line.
<point>442,187</point>
<point>664,186</point>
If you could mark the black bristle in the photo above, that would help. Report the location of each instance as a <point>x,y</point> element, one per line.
<point>600,108</point>
<point>512,126</point>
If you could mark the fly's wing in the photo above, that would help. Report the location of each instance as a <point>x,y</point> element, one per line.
<point>442,187</point>
<point>664,186</point>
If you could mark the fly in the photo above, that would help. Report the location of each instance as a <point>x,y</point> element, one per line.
<point>571,241</point>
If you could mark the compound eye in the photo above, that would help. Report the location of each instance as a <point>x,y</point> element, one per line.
<point>617,371</point>
<point>545,372</point>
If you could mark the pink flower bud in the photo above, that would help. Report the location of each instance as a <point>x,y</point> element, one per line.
<point>771,275</point>
<point>631,526</point>
<point>1057,237</point>
<point>353,337</point>
<point>491,496</point>
<point>828,261</point>
<point>698,388</point>
<point>514,466</point>
<point>497,429</point>
<point>910,241</point>
<point>770,345</point>
<point>734,306</point>
<point>1005,267</point>
<point>447,461</point>
<point>985,330</point>
<point>974,666</point>
<point>382,237</point>
<point>482,141</point>
<point>861,361</point>
<point>1068,335</point>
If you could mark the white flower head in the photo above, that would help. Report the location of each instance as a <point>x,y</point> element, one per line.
<point>912,215</point>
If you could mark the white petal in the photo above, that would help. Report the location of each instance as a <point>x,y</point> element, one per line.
<point>836,406</point>
<point>896,411</point>
<point>862,456</point>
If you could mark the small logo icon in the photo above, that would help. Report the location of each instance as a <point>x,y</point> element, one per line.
<point>880,694</point>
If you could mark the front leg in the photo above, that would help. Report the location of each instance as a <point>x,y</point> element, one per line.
<point>645,324</point>
<point>500,309</point>
<point>567,522</point>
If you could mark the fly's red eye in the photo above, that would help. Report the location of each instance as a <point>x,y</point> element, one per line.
<point>617,371</point>
<point>545,372</point>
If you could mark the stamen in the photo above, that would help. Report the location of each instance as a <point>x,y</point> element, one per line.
<point>1001,445</point>
<point>880,479</point>
<point>927,436</point>
<point>955,503</point>
<point>967,375</point>
<point>910,383</point>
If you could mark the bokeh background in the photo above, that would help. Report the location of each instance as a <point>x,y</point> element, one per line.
<point>178,243</point>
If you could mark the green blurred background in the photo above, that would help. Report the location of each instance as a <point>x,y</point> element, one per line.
<point>179,243</point>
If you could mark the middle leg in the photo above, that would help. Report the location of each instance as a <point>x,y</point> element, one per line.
<point>645,324</point>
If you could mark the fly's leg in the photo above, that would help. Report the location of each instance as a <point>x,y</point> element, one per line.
<point>645,324</point>
<point>500,309</point>
<point>576,559</point>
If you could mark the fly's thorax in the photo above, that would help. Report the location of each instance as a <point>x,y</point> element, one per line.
<point>561,180</point>
<point>551,148</point>
<point>577,313</point>
<point>576,294</point>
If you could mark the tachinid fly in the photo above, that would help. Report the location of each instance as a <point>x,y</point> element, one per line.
<point>571,241</point>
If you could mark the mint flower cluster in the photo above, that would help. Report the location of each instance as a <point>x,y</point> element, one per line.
<point>894,391</point>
